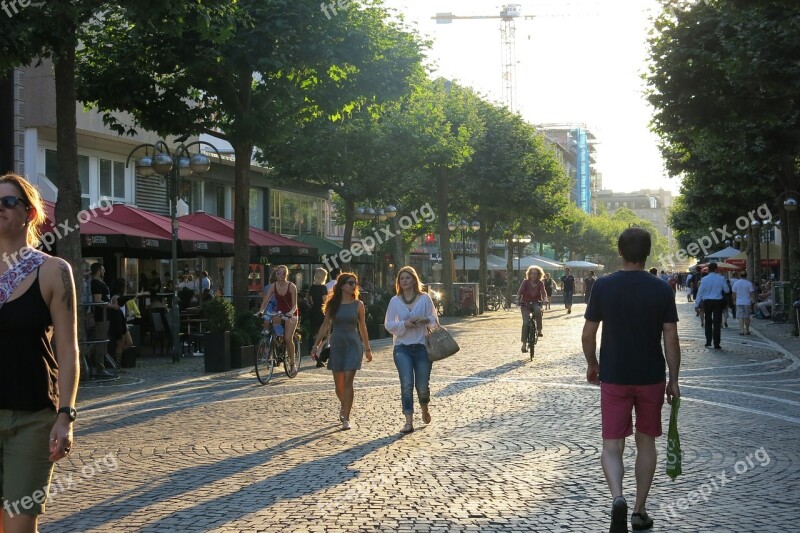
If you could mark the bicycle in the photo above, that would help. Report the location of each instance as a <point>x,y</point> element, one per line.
<point>533,330</point>
<point>271,350</point>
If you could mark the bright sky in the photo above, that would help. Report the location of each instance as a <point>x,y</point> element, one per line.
<point>578,61</point>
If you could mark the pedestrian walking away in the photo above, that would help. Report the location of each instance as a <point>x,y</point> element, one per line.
<point>744,294</point>
<point>636,310</point>
<point>711,297</point>
<point>531,293</point>
<point>408,316</point>
<point>568,286</point>
<point>37,386</point>
<point>345,317</point>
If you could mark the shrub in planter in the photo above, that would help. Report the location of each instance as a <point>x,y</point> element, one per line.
<point>244,336</point>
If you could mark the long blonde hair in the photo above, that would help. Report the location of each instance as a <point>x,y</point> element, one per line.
<point>413,273</point>
<point>33,204</point>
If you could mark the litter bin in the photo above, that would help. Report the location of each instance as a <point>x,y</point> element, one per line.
<point>781,301</point>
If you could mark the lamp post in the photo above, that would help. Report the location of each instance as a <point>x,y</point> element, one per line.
<point>375,215</point>
<point>173,165</point>
<point>522,241</point>
<point>463,226</point>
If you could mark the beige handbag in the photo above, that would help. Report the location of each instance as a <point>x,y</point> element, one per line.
<point>440,343</point>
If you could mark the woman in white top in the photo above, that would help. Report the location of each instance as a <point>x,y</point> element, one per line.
<point>407,318</point>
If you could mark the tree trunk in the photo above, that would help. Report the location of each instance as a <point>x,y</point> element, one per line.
<point>509,265</point>
<point>444,239</point>
<point>483,241</point>
<point>347,239</point>
<point>68,203</point>
<point>241,224</point>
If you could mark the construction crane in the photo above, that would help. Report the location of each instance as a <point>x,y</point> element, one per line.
<point>508,41</point>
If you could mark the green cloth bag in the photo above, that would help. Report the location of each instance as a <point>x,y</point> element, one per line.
<point>674,455</point>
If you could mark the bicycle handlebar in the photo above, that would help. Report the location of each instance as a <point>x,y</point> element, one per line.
<point>271,315</point>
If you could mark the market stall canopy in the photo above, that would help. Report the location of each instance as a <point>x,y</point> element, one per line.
<point>721,255</point>
<point>770,256</point>
<point>474,263</point>
<point>543,262</point>
<point>720,266</point>
<point>329,250</point>
<point>270,248</point>
<point>584,265</point>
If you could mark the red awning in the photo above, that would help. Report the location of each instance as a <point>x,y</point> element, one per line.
<point>123,226</point>
<point>99,231</point>
<point>271,247</point>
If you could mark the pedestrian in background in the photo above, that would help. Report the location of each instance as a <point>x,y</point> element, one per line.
<point>318,293</point>
<point>548,287</point>
<point>568,286</point>
<point>637,310</point>
<point>744,294</point>
<point>37,386</point>
<point>408,316</point>
<point>345,316</point>
<point>711,297</point>
<point>588,283</point>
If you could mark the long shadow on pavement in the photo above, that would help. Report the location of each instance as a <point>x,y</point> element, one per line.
<point>301,479</point>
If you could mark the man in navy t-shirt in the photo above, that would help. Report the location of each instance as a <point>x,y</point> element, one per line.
<point>636,309</point>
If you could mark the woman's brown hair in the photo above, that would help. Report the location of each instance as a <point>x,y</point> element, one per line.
<point>33,204</point>
<point>334,300</point>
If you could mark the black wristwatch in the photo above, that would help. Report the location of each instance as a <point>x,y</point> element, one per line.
<point>70,412</point>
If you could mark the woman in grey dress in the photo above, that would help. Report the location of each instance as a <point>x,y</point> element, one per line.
<point>345,316</point>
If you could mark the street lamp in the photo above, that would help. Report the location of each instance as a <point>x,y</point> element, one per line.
<point>463,226</point>
<point>522,241</point>
<point>375,215</point>
<point>173,165</point>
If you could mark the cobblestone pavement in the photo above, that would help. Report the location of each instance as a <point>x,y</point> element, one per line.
<point>514,445</point>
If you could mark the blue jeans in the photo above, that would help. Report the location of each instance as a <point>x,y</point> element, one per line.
<point>568,298</point>
<point>413,366</point>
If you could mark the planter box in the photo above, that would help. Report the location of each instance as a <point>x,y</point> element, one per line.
<point>217,351</point>
<point>243,356</point>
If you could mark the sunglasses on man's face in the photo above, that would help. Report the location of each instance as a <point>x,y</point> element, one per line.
<point>10,202</point>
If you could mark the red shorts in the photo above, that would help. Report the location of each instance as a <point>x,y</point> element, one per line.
<point>617,402</point>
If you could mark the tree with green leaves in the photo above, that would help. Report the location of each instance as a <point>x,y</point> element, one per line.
<point>723,81</point>
<point>250,76</point>
<point>437,127</point>
<point>512,182</point>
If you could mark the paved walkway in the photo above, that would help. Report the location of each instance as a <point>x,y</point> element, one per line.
<point>514,445</point>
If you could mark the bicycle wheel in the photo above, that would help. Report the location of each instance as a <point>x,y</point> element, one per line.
<point>287,364</point>
<point>265,362</point>
<point>506,304</point>
<point>533,335</point>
